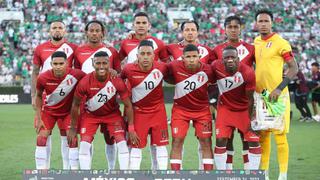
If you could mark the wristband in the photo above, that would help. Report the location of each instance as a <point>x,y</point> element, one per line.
<point>131,128</point>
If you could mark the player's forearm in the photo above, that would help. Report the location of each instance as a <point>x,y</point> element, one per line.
<point>34,77</point>
<point>292,72</point>
<point>38,104</point>
<point>74,112</point>
<point>129,114</point>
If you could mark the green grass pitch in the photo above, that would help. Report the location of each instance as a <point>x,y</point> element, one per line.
<point>17,137</point>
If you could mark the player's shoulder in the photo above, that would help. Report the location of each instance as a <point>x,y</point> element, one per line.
<point>43,45</point>
<point>72,45</point>
<point>172,46</point>
<point>245,69</point>
<point>117,82</point>
<point>45,75</point>
<point>158,41</point>
<point>78,72</point>
<point>246,44</point>
<point>129,66</point>
<point>280,39</point>
<point>81,47</point>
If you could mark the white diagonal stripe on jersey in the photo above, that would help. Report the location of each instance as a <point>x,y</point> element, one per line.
<point>87,64</point>
<point>242,52</point>
<point>203,52</point>
<point>47,63</point>
<point>132,55</point>
<point>62,91</point>
<point>231,82</point>
<point>141,91</point>
<point>182,88</point>
<point>108,90</point>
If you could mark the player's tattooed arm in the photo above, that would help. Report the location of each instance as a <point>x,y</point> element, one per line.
<point>38,105</point>
<point>34,76</point>
<point>75,110</point>
<point>251,108</point>
<point>134,139</point>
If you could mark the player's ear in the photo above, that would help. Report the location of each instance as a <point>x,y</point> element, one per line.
<point>92,62</point>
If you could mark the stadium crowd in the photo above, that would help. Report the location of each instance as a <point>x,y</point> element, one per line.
<point>17,40</point>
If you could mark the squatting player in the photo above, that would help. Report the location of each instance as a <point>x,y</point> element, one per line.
<point>236,83</point>
<point>59,85</point>
<point>146,77</point>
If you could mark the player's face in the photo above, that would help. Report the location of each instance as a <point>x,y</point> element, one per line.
<point>141,25</point>
<point>264,24</point>
<point>94,33</point>
<point>191,59</point>
<point>230,60</point>
<point>57,31</point>
<point>233,30</point>
<point>314,69</point>
<point>101,66</point>
<point>190,32</point>
<point>145,56</point>
<point>59,66</point>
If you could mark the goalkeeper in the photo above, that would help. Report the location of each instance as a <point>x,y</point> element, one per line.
<point>271,52</point>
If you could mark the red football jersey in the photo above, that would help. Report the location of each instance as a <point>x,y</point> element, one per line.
<point>100,97</point>
<point>42,54</point>
<point>129,49</point>
<point>245,52</point>
<point>191,88</point>
<point>59,91</point>
<point>233,87</point>
<point>84,54</point>
<point>176,51</point>
<point>146,87</point>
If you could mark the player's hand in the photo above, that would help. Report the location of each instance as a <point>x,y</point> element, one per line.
<point>274,95</point>
<point>130,35</point>
<point>39,125</point>
<point>33,102</point>
<point>113,73</point>
<point>71,135</point>
<point>134,139</point>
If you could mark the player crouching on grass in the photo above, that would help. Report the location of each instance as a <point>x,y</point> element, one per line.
<point>99,91</point>
<point>59,85</point>
<point>236,83</point>
<point>191,79</point>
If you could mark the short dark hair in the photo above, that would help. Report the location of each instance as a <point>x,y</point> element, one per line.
<point>230,48</point>
<point>145,43</point>
<point>100,54</point>
<point>185,22</point>
<point>315,64</point>
<point>141,14</point>
<point>264,11</point>
<point>56,20</point>
<point>59,54</point>
<point>190,47</point>
<point>94,21</point>
<point>232,18</point>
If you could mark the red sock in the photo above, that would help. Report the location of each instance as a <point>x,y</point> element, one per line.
<point>175,164</point>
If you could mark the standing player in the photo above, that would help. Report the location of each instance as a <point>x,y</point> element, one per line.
<point>41,63</point>
<point>145,78</point>
<point>83,60</point>
<point>59,85</point>
<point>236,83</point>
<point>129,50</point>
<point>271,52</point>
<point>315,90</point>
<point>191,79</point>
<point>99,92</point>
<point>190,36</point>
<point>232,26</point>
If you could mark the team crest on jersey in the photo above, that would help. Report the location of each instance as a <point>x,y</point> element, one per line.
<point>156,75</point>
<point>269,44</point>
<point>237,79</point>
<point>69,82</point>
<point>111,89</point>
<point>200,78</point>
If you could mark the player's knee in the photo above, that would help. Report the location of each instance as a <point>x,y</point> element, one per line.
<point>230,145</point>
<point>221,142</point>
<point>74,143</point>
<point>88,139</point>
<point>118,138</point>
<point>205,143</point>
<point>177,142</point>
<point>63,132</point>
<point>42,140</point>
<point>281,139</point>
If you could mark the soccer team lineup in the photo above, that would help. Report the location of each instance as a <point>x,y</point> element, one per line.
<point>235,87</point>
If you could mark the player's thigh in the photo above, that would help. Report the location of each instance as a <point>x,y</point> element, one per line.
<point>48,121</point>
<point>64,122</point>
<point>224,127</point>
<point>88,127</point>
<point>179,124</point>
<point>116,128</point>
<point>159,134</point>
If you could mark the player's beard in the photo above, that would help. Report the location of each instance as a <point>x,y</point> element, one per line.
<point>57,38</point>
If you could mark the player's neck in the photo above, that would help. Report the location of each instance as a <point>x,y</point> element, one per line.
<point>141,36</point>
<point>94,45</point>
<point>266,36</point>
<point>144,68</point>
<point>57,42</point>
<point>102,78</point>
<point>185,42</point>
<point>233,41</point>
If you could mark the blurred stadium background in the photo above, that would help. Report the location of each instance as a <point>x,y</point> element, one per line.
<point>24,25</point>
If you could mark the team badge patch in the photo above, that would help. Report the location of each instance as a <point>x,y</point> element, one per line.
<point>69,82</point>
<point>200,78</point>
<point>269,44</point>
